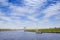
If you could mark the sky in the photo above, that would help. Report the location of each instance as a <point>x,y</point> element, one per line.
<point>29,13</point>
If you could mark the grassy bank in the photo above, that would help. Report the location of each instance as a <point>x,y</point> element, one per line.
<point>50,30</point>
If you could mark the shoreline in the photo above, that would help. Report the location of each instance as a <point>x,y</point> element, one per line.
<point>50,30</point>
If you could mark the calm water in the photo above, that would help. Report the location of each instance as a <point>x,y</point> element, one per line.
<point>21,35</point>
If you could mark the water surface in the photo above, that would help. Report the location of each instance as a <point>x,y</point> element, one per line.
<point>21,35</point>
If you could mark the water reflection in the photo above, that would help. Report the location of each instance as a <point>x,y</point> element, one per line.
<point>21,35</point>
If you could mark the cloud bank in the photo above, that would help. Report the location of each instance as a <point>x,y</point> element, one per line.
<point>29,13</point>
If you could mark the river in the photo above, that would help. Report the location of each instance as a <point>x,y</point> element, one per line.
<point>21,35</point>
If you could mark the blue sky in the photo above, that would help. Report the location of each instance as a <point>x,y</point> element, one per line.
<point>29,13</point>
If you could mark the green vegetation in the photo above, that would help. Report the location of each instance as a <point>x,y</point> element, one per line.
<point>50,30</point>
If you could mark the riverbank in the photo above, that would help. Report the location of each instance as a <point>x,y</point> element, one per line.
<point>50,30</point>
<point>7,30</point>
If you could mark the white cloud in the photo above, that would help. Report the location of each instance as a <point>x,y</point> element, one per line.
<point>52,10</point>
<point>5,18</point>
<point>34,3</point>
<point>31,9</point>
<point>4,2</point>
<point>21,10</point>
<point>57,17</point>
<point>32,18</point>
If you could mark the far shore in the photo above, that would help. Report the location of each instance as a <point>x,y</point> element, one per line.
<point>50,30</point>
<point>9,29</point>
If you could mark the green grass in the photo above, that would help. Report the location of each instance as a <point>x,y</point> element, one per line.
<point>50,30</point>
